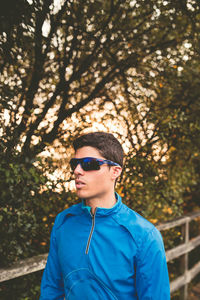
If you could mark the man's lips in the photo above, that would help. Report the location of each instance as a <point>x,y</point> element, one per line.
<point>79,184</point>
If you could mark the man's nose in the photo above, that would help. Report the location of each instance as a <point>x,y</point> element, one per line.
<point>78,170</point>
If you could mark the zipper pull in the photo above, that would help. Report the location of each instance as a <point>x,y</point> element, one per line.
<point>93,214</point>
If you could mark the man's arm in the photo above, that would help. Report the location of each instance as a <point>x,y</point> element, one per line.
<point>152,280</point>
<point>52,282</point>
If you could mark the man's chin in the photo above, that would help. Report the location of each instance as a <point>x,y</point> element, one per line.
<point>84,194</point>
<point>81,194</point>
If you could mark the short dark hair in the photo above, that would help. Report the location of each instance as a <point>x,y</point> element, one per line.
<point>107,145</point>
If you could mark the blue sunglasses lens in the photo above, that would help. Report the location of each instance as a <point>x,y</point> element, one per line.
<point>90,165</point>
<point>86,164</point>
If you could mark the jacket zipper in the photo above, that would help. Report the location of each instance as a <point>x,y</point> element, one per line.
<point>91,231</point>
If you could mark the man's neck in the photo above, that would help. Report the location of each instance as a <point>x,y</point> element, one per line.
<point>105,202</point>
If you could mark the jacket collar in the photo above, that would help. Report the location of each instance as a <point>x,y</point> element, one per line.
<point>101,211</point>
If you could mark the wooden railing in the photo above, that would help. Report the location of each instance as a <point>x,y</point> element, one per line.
<point>183,250</point>
<point>38,263</point>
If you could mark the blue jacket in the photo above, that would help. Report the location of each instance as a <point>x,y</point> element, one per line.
<point>115,254</point>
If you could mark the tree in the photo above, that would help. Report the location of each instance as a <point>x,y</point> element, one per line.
<point>81,61</point>
<point>58,61</point>
<point>62,59</point>
<point>164,131</point>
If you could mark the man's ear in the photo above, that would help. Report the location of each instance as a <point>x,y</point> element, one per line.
<point>115,172</point>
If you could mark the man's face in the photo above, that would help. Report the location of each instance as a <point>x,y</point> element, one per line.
<point>93,184</point>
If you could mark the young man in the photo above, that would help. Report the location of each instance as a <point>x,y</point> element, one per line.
<point>100,249</point>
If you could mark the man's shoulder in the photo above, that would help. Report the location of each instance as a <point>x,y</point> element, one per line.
<point>137,225</point>
<point>130,217</point>
<point>63,215</point>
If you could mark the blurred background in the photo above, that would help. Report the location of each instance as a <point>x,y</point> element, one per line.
<point>128,67</point>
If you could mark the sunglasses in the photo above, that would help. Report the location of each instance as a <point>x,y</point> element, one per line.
<point>90,163</point>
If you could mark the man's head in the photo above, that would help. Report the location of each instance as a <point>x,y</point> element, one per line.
<point>106,144</point>
<point>97,182</point>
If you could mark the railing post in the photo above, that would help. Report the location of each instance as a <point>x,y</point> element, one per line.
<point>187,233</point>
<point>184,260</point>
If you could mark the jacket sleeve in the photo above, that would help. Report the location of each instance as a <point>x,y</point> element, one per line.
<point>152,280</point>
<point>52,286</point>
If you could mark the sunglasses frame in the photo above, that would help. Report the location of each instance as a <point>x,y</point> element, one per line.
<point>84,162</point>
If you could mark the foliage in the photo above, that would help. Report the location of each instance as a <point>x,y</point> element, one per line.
<point>26,288</point>
<point>59,59</point>
<point>161,176</point>
<point>28,207</point>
